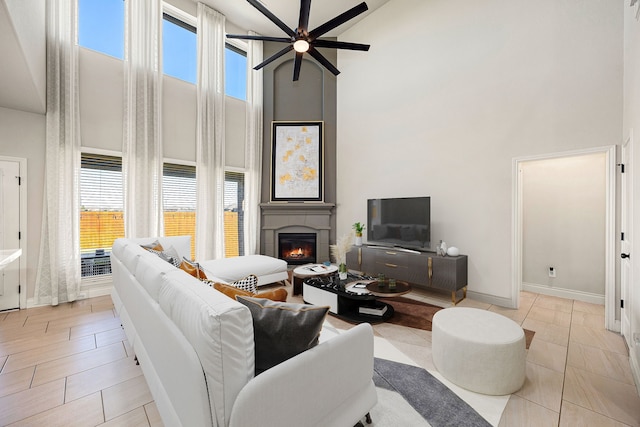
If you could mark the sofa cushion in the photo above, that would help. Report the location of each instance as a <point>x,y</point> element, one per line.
<point>193,268</point>
<point>279,294</point>
<point>249,283</point>
<point>155,245</point>
<point>170,255</point>
<point>282,330</point>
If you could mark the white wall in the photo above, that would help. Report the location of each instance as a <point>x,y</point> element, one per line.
<point>23,135</point>
<point>563,205</point>
<point>631,126</point>
<point>451,91</point>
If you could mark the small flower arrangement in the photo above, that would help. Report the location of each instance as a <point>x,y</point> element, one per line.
<point>340,249</point>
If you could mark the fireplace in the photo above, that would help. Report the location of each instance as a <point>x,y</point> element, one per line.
<point>297,248</point>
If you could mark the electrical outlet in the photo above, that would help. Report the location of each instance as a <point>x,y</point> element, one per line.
<point>552,272</point>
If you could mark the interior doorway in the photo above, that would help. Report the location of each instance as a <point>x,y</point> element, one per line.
<point>12,214</point>
<point>606,246</point>
<point>626,233</point>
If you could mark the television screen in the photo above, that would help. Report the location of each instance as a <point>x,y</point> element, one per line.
<point>404,222</point>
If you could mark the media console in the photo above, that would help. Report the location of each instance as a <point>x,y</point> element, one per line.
<point>426,270</point>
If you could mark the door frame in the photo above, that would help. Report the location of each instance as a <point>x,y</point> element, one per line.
<point>610,227</point>
<point>626,211</point>
<point>22,261</point>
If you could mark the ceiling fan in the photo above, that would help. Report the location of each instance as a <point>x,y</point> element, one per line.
<point>302,40</point>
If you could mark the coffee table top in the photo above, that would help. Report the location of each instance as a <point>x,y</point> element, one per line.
<point>384,291</point>
<point>309,270</point>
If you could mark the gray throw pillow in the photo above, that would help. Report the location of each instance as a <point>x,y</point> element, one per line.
<point>282,330</point>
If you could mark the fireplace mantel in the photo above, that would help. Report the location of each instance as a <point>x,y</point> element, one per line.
<point>296,218</point>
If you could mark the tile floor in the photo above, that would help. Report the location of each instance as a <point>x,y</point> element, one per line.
<point>72,366</point>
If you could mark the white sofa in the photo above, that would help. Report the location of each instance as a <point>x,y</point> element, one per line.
<point>196,349</point>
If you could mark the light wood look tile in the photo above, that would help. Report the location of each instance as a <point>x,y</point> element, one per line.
<point>549,355</point>
<point>125,397</point>
<point>79,413</point>
<point>517,315</point>
<point>574,415</point>
<point>79,362</point>
<point>136,417</point>
<point>101,377</point>
<point>586,307</point>
<point>589,320</point>
<point>554,303</point>
<point>24,404</point>
<point>70,322</point>
<point>600,338</point>
<point>542,386</point>
<point>35,341</point>
<point>471,303</point>
<point>16,381</point>
<point>153,415</point>
<point>547,331</point>
<point>16,332</point>
<point>48,352</point>
<point>558,318</point>
<point>523,413</point>
<point>110,337</point>
<point>602,362</point>
<point>613,399</point>
<point>104,325</point>
<point>60,314</point>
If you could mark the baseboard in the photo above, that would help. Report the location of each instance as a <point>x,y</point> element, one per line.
<point>490,299</point>
<point>564,293</point>
<point>86,291</point>
<point>634,357</point>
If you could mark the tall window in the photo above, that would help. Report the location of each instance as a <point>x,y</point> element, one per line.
<point>179,198</point>
<point>235,72</point>
<point>101,26</point>
<point>101,206</point>
<point>179,49</point>
<point>234,213</point>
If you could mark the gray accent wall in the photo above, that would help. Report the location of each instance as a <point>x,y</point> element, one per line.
<point>312,97</point>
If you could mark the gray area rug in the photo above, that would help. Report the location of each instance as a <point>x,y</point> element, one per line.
<point>431,399</point>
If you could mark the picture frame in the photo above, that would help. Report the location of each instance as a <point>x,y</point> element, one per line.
<point>297,161</point>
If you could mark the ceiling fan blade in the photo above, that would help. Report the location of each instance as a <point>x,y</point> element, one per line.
<point>322,60</point>
<point>296,66</point>
<point>340,45</point>
<point>263,38</point>
<point>338,20</point>
<point>273,18</point>
<point>305,8</point>
<point>274,57</point>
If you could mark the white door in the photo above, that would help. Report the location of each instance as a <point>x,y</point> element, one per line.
<point>9,232</point>
<point>625,245</point>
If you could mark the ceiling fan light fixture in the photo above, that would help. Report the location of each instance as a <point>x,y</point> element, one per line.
<point>301,46</point>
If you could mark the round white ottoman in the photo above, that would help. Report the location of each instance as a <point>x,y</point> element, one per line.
<point>479,350</point>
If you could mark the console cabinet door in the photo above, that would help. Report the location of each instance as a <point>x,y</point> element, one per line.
<point>392,264</point>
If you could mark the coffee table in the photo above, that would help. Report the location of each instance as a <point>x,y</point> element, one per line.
<point>348,305</point>
<point>385,291</point>
<point>310,270</point>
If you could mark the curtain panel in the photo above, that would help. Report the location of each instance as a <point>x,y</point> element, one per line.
<point>210,135</point>
<point>58,276</point>
<point>253,148</point>
<point>142,139</point>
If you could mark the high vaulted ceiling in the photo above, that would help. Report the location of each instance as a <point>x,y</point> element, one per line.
<point>241,13</point>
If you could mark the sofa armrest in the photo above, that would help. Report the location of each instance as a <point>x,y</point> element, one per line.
<point>330,384</point>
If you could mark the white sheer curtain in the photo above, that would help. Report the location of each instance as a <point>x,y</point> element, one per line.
<point>142,141</point>
<point>210,135</point>
<point>253,149</point>
<point>58,276</point>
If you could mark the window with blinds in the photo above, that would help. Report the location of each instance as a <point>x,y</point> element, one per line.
<point>179,199</point>
<point>234,213</point>
<point>101,211</point>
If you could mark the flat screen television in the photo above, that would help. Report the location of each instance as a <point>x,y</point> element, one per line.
<point>403,222</point>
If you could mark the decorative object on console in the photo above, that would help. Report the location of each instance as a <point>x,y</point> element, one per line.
<point>442,248</point>
<point>304,41</point>
<point>296,161</point>
<point>282,330</point>
<point>453,251</point>
<point>339,252</point>
<point>358,227</point>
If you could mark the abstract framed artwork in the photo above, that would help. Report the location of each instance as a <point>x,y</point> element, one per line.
<point>297,161</point>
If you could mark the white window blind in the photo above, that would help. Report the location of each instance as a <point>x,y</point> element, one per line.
<point>101,211</point>
<point>234,213</point>
<point>179,199</point>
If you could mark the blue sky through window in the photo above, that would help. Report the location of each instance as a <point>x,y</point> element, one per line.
<point>235,77</point>
<point>179,52</point>
<point>101,26</point>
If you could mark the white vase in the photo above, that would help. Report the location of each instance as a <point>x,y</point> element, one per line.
<point>358,240</point>
<point>453,251</point>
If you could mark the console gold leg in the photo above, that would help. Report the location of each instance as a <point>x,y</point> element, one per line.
<point>453,296</point>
